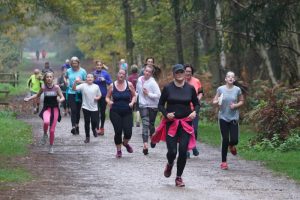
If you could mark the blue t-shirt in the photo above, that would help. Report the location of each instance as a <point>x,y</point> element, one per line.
<point>72,75</point>
<point>230,95</point>
<point>102,79</point>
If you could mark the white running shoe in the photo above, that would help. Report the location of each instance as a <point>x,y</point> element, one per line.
<point>51,151</point>
<point>44,139</point>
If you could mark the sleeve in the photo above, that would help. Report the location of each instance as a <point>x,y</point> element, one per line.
<point>98,91</point>
<point>156,93</point>
<point>162,101</point>
<point>29,81</point>
<point>79,87</point>
<point>108,79</point>
<point>195,101</point>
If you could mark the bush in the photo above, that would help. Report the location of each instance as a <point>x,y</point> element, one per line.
<point>277,113</point>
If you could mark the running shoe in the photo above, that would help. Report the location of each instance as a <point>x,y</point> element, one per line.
<point>44,139</point>
<point>188,155</point>
<point>77,130</point>
<point>152,145</point>
<point>195,151</point>
<point>179,182</point>
<point>51,151</point>
<point>119,154</point>
<point>168,170</point>
<point>87,140</point>
<point>101,131</point>
<point>95,133</point>
<point>73,131</point>
<point>232,150</point>
<point>145,151</point>
<point>128,148</point>
<point>224,166</point>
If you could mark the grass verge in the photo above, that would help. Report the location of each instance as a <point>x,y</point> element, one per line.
<point>287,163</point>
<point>15,136</point>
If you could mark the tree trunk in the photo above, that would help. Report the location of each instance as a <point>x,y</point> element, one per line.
<point>176,7</point>
<point>128,32</point>
<point>264,55</point>
<point>195,44</point>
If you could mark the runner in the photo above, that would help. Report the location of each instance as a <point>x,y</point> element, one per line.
<point>67,64</point>
<point>74,97</point>
<point>50,112</point>
<point>177,125</point>
<point>102,79</point>
<point>35,83</point>
<point>121,98</point>
<point>229,98</point>
<point>47,68</point>
<point>148,93</point>
<point>189,78</point>
<point>133,77</point>
<point>37,54</point>
<point>90,96</point>
<point>123,65</point>
<point>62,82</point>
<point>44,53</point>
<point>156,72</point>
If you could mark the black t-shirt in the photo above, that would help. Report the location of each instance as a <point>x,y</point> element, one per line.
<point>178,100</point>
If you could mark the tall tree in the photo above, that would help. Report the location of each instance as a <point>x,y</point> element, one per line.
<point>128,31</point>
<point>176,8</point>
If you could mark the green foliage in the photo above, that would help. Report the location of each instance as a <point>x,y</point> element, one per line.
<point>13,141</point>
<point>14,175</point>
<point>283,161</point>
<point>276,114</point>
<point>9,54</point>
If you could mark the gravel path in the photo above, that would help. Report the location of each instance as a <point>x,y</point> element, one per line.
<point>91,171</point>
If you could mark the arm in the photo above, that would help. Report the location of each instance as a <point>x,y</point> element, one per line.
<point>98,95</point>
<point>61,96</point>
<point>34,96</point>
<point>156,94</point>
<point>108,95</point>
<point>162,102</point>
<point>133,95</point>
<point>239,103</point>
<point>216,98</point>
<point>108,79</point>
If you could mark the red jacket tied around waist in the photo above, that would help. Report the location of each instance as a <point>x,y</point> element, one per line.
<point>161,131</point>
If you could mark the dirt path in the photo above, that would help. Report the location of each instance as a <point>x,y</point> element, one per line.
<point>91,171</point>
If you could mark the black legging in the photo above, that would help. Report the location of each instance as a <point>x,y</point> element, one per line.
<point>230,135</point>
<point>75,109</point>
<point>184,138</point>
<point>90,117</point>
<point>122,122</point>
<point>102,107</point>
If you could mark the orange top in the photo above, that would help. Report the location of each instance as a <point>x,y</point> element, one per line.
<point>197,85</point>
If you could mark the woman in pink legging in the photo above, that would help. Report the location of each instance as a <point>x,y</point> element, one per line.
<point>50,112</point>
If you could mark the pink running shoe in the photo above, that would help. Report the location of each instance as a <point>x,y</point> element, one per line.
<point>119,154</point>
<point>128,148</point>
<point>224,166</point>
<point>179,182</point>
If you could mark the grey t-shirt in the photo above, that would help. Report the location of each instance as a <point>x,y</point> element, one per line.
<point>230,95</point>
<point>89,92</point>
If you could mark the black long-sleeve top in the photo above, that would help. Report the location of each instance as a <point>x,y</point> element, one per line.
<point>178,100</point>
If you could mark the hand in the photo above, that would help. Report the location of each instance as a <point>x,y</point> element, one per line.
<point>77,80</point>
<point>131,105</point>
<point>192,115</point>
<point>145,91</point>
<point>171,115</point>
<point>233,106</point>
<point>102,79</point>
<point>110,103</point>
<point>26,99</point>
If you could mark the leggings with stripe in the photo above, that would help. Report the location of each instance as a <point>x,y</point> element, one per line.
<point>46,119</point>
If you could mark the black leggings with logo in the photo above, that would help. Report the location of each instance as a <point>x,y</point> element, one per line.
<point>230,135</point>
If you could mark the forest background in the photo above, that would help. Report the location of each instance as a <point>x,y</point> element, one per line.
<point>258,40</point>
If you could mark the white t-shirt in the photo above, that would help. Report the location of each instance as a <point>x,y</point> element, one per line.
<point>89,92</point>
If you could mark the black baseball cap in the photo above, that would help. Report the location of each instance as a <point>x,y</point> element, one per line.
<point>178,67</point>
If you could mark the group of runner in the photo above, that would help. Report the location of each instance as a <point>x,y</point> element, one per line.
<point>179,103</point>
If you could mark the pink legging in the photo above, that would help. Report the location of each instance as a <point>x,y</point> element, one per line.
<point>46,118</point>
